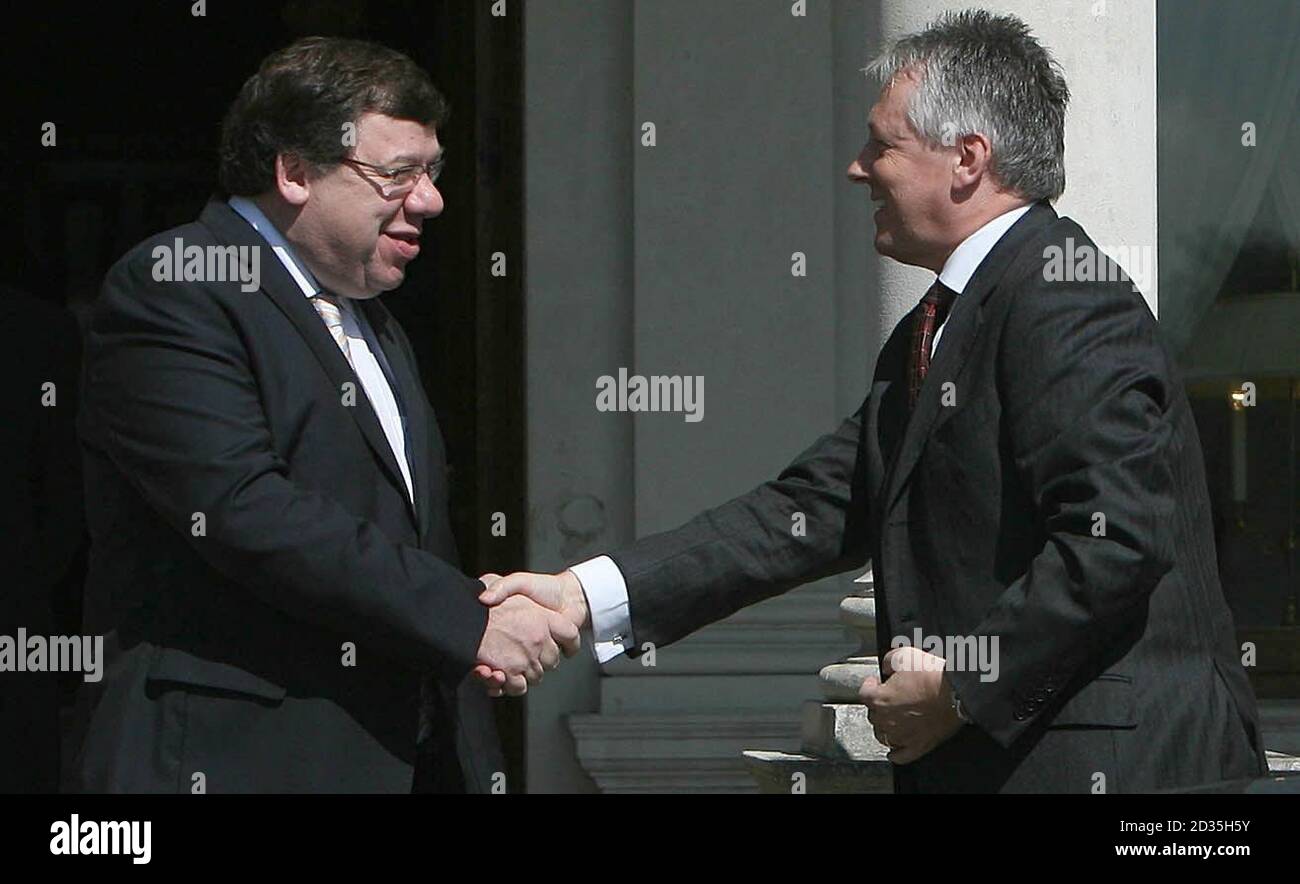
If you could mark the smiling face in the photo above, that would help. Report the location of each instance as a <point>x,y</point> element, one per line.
<point>910,181</point>
<point>354,239</point>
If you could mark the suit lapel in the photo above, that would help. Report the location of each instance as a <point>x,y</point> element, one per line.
<point>959,335</point>
<point>406,387</point>
<point>228,227</point>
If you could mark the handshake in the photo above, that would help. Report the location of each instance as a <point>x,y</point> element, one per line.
<point>533,618</point>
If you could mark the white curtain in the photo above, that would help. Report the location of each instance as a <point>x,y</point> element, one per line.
<point>1222,66</point>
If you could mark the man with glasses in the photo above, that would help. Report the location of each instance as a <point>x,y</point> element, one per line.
<point>272,560</point>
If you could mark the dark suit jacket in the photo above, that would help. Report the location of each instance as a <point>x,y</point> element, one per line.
<point>226,649</point>
<point>1117,652</point>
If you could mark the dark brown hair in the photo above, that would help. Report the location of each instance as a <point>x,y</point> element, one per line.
<point>301,97</point>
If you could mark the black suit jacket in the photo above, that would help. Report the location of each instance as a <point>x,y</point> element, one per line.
<point>1117,652</point>
<point>247,525</point>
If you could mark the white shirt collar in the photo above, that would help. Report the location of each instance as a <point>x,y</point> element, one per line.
<point>249,211</point>
<point>967,257</point>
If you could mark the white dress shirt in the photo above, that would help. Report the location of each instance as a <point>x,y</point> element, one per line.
<point>363,346</point>
<point>603,583</point>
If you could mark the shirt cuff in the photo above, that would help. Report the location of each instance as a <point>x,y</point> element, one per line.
<point>606,591</point>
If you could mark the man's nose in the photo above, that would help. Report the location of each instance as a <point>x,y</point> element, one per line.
<point>425,200</point>
<point>857,172</point>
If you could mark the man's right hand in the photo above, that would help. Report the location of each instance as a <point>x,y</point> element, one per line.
<point>560,592</point>
<point>523,639</point>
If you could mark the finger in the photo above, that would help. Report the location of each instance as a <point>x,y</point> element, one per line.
<point>491,679</point>
<point>489,579</point>
<point>550,656</point>
<point>515,686</point>
<point>565,633</point>
<point>492,682</point>
<point>501,589</point>
<point>869,693</point>
<point>533,586</point>
<point>887,663</point>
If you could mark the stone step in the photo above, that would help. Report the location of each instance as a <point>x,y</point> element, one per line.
<point>858,612</point>
<point>792,772</point>
<point>839,730</point>
<point>840,682</point>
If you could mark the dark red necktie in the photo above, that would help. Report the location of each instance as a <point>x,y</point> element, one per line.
<point>934,310</point>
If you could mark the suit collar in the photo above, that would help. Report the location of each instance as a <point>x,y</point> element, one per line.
<point>1007,249</point>
<point>256,218</point>
<point>960,331</point>
<point>967,257</point>
<point>229,227</point>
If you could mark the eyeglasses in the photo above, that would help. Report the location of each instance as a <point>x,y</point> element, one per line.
<point>399,181</point>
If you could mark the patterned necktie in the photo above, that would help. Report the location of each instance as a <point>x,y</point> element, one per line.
<point>934,310</point>
<point>328,307</point>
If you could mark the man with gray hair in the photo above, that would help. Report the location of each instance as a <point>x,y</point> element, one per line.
<point>1024,474</point>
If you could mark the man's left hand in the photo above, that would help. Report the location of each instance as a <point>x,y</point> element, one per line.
<point>911,712</point>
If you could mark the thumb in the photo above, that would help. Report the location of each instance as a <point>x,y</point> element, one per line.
<point>489,578</point>
<point>870,685</point>
<point>519,583</point>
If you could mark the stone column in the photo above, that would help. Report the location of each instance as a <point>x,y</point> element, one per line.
<point>676,258</point>
<point>838,752</point>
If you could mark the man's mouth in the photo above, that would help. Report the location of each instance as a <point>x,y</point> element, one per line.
<point>406,244</point>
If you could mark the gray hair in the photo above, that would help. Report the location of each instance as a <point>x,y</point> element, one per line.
<point>983,73</point>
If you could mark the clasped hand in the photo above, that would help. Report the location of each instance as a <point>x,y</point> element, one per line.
<point>911,711</point>
<point>533,618</point>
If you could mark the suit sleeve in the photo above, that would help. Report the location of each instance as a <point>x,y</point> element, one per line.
<point>172,399</point>
<point>1086,398</point>
<point>808,523</point>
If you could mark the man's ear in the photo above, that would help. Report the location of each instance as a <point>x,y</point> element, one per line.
<point>291,178</point>
<point>974,158</point>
